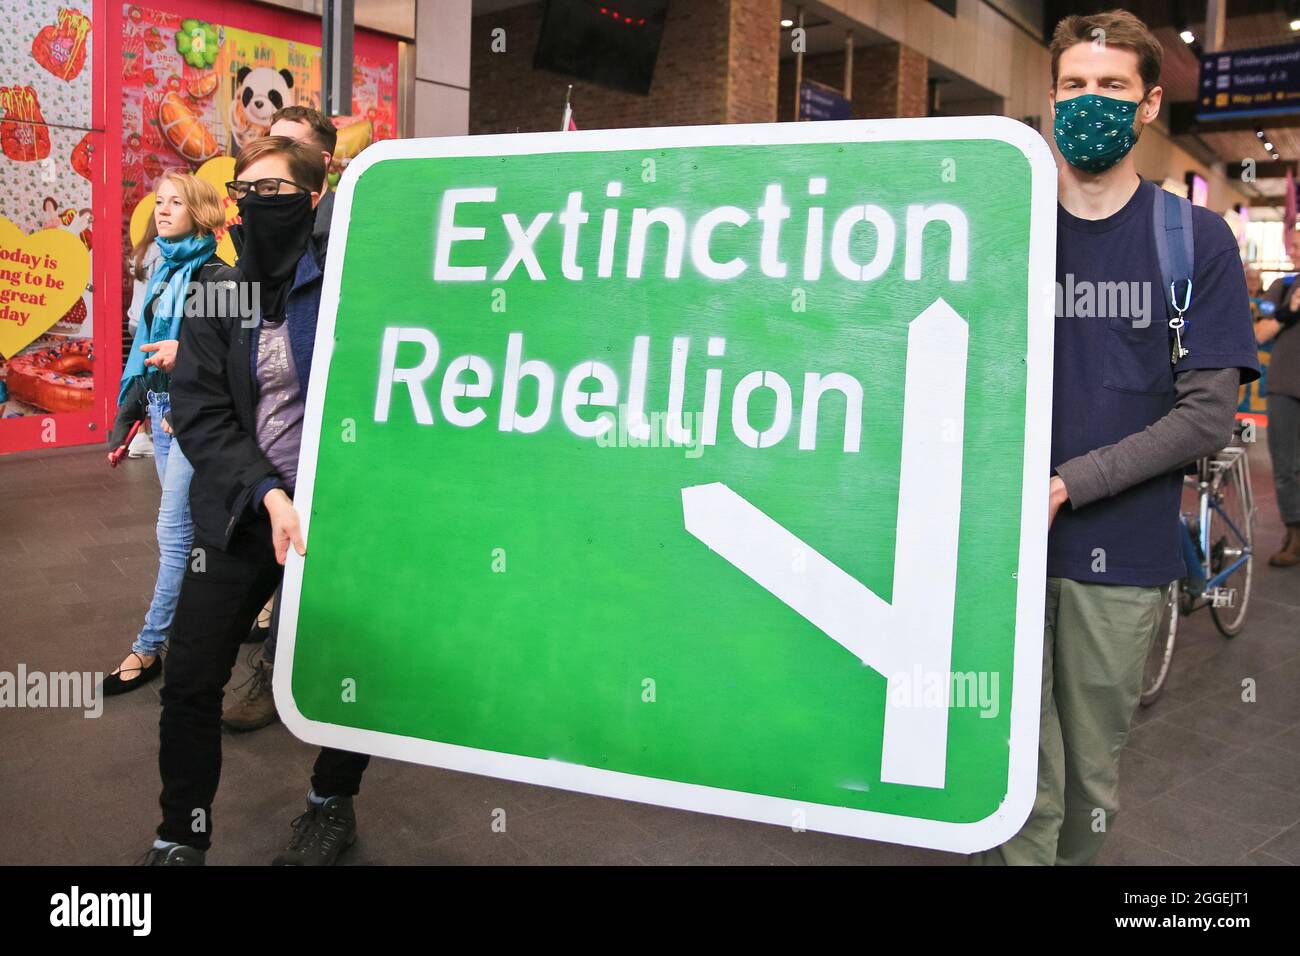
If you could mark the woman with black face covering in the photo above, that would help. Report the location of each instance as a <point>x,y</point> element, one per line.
<point>238,393</point>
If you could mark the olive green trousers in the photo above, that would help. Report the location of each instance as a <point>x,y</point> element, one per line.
<point>1095,643</point>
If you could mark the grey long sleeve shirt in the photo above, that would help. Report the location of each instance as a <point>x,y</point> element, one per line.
<point>1200,423</point>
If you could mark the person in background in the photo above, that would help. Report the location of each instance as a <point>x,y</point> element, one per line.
<point>312,127</point>
<point>143,261</point>
<point>1283,403</point>
<point>1254,286</point>
<point>1125,420</point>
<point>252,705</point>
<point>240,393</point>
<point>187,213</point>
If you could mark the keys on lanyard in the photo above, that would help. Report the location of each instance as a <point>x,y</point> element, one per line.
<point>1176,324</point>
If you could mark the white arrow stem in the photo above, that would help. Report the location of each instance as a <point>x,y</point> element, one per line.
<point>910,640</point>
<point>915,747</point>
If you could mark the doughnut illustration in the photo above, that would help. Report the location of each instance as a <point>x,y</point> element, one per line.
<point>57,379</point>
<point>183,129</point>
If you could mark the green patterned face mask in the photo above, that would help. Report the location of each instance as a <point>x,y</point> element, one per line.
<point>1094,132</point>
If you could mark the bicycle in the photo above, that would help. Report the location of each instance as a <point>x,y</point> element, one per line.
<point>1218,551</point>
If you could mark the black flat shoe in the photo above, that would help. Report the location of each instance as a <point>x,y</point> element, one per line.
<point>114,685</point>
<point>257,634</point>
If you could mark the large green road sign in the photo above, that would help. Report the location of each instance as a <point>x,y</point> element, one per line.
<point>705,467</point>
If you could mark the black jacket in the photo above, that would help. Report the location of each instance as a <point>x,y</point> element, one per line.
<point>214,398</point>
<point>134,404</point>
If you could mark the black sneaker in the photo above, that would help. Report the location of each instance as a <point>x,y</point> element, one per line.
<point>321,834</point>
<point>173,854</point>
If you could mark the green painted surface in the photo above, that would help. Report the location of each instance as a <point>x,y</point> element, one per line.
<point>602,587</point>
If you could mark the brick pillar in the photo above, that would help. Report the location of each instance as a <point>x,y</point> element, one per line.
<point>889,80</point>
<point>913,82</point>
<point>718,63</point>
<point>754,59</point>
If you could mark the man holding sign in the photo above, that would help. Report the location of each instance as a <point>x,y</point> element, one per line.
<point>1126,418</point>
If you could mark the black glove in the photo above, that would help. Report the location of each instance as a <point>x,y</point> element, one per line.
<point>134,408</point>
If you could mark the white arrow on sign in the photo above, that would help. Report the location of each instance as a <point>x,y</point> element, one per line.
<point>910,639</point>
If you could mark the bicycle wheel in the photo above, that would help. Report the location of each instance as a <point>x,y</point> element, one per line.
<point>1230,541</point>
<point>1161,652</point>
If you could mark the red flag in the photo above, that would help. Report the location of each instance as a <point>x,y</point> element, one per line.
<point>567,123</point>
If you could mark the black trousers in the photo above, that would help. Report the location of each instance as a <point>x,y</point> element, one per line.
<point>221,595</point>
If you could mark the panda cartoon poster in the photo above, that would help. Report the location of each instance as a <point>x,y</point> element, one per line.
<point>264,74</point>
<point>201,80</point>
<point>259,92</point>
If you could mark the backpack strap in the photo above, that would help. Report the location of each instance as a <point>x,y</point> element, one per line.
<point>1174,249</point>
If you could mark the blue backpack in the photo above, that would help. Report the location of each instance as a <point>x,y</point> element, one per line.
<point>1174,249</point>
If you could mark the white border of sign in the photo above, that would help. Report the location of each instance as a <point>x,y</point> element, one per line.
<point>1026,680</point>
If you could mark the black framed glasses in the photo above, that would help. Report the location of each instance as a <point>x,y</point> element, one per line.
<point>237,189</point>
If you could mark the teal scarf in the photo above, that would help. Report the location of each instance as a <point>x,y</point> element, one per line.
<point>181,258</point>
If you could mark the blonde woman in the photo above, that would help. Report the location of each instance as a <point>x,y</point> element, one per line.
<point>187,213</point>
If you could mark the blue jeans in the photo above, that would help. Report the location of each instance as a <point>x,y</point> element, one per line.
<point>175,530</point>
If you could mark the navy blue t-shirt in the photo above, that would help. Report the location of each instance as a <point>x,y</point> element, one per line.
<point>1113,379</point>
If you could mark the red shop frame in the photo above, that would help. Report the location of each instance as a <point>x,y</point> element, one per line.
<point>83,428</point>
<point>61,429</point>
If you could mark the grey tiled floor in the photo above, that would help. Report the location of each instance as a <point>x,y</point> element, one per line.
<point>1206,778</point>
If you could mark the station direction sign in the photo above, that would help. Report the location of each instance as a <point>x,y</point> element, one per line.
<point>705,467</point>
